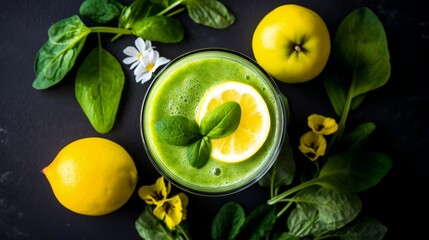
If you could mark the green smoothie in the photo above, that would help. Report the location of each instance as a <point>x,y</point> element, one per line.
<point>177,90</point>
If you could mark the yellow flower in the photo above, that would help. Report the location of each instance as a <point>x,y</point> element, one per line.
<point>184,200</point>
<point>322,125</point>
<point>155,194</point>
<point>172,210</point>
<point>312,145</point>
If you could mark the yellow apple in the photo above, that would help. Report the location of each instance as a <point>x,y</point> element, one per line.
<point>292,43</point>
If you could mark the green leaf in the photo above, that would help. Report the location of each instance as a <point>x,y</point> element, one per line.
<point>320,210</point>
<point>101,11</point>
<point>178,130</point>
<point>98,88</point>
<point>199,152</point>
<point>353,171</point>
<point>285,236</point>
<point>210,13</point>
<point>337,90</point>
<point>336,86</point>
<point>228,221</point>
<point>150,227</point>
<point>259,223</point>
<point>159,28</point>
<point>222,121</point>
<point>58,55</point>
<point>361,47</point>
<point>361,44</point>
<point>68,31</point>
<point>364,228</point>
<point>283,169</point>
<point>138,10</point>
<point>164,3</point>
<point>359,136</point>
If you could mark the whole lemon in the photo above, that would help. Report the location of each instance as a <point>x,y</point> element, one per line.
<point>92,176</point>
<point>292,43</point>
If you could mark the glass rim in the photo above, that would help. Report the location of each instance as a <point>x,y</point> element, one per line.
<point>256,177</point>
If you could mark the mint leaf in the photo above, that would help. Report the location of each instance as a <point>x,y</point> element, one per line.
<point>222,121</point>
<point>199,152</point>
<point>178,130</point>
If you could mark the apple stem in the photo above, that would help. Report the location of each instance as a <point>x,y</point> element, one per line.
<point>297,48</point>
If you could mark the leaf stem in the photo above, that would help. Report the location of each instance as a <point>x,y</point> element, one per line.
<point>344,115</point>
<point>111,30</point>
<point>175,12</point>
<point>169,8</point>
<point>183,232</point>
<point>273,177</point>
<point>346,110</point>
<point>286,207</point>
<point>313,219</point>
<point>286,193</point>
<point>116,37</point>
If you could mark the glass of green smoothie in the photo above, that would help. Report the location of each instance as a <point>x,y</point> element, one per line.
<point>188,86</point>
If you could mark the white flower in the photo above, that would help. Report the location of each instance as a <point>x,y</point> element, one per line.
<point>149,63</point>
<point>143,59</point>
<point>135,54</point>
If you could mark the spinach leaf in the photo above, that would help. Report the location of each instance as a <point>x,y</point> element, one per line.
<point>320,210</point>
<point>159,28</point>
<point>353,171</point>
<point>138,10</point>
<point>68,31</point>
<point>359,136</point>
<point>285,236</point>
<point>222,121</point>
<point>259,222</point>
<point>335,85</point>
<point>101,11</point>
<point>98,88</point>
<point>228,221</point>
<point>178,130</point>
<point>363,228</point>
<point>150,227</point>
<point>210,13</point>
<point>346,172</point>
<point>58,55</point>
<point>361,46</point>
<point>199,152</point>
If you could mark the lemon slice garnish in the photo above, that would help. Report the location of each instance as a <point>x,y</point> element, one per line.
<point>254,123</point>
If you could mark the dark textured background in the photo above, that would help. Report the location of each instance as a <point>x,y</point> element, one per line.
<point>35,125</point>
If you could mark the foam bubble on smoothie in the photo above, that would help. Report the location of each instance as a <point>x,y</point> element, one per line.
<point>173,108</point>
<point>216,171</point>
<point>185,96</point>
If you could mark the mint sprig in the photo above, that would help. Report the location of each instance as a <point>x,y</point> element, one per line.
<point>220,122</point>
